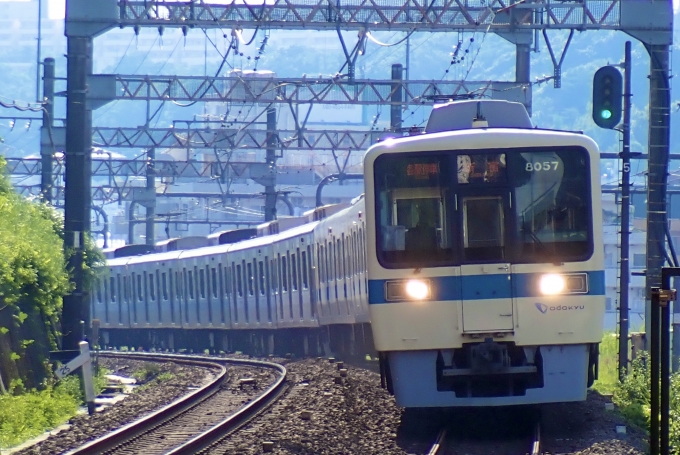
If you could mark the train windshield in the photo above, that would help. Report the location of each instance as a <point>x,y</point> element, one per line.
<point>447,208</point>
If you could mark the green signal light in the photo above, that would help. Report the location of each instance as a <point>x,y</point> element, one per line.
<point>606,114</point>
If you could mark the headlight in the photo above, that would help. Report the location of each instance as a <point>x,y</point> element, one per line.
<point>552,284</point>
<point>417,289</point>
<point>402,290</point>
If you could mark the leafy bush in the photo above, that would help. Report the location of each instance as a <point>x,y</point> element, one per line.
<point>608,378</point>
<point>29,415</point>
<point>632,396</point>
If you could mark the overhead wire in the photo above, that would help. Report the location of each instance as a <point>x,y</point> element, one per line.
<point>217,73</point>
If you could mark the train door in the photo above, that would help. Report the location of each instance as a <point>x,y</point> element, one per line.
<point>486,278</point>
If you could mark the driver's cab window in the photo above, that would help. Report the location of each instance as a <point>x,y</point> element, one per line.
<point>421,214</point>
<point>483,228</point>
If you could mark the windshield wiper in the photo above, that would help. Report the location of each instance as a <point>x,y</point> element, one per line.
<point>534,237</point>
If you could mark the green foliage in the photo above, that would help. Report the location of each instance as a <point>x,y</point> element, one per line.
<point>32,266</point>
<point>608,378</point>
<point>165,376</point>
<point>632,396</point>
<point>148,372</point>
<point>29,415</point>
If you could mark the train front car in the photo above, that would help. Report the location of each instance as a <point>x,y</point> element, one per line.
<point>485,265</point>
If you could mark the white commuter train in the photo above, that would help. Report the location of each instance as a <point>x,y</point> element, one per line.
<point>485,260</point>
<point>473,265</point>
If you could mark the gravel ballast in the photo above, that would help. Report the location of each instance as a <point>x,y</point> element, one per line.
<point>145,399</point>
<point>329,414</point>
<point>331,411</point>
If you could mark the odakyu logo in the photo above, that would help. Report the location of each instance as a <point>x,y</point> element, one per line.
<point>543,308</point>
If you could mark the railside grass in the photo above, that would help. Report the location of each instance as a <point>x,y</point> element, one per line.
<point>30,414</point>
<point>27,415</point>
<point>608,378</point>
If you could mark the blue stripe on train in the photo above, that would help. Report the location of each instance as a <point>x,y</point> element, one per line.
<point>482,287</point>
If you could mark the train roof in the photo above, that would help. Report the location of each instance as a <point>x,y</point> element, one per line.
<point>470,139</point>
<point>216,249</point>
<point>462,115</point>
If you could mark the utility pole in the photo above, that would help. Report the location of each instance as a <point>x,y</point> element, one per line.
<point>46,137</point>
<point>624,278</point>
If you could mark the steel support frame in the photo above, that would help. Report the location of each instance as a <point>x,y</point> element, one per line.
<point>441,15</point>
<point>77,184</point>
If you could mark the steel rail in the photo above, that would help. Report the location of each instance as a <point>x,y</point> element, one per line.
<point>232,423</point>
<point>138,427</point>
<point>536,443</point>
<point>439,443</point>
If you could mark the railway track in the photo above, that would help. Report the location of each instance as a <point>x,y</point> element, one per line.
<point>450,441</point>
<point>239,391</point>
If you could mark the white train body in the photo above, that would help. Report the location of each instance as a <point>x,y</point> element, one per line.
<point>290,283</point>
<point>485,265</point>
<point>475,255</point>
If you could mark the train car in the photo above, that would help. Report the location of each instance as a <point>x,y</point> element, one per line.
<point>298,286</point>
<point>485,260</point>
<point>473,265</point>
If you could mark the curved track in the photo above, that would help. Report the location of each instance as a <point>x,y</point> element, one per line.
<point>202,416</point>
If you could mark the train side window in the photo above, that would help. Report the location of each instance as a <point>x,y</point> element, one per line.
<point>126,291</point>
<point>274,280</point>
<point>345,256</point>
<point>305,277</point>
<point>191,284</point>
<point>312,284</point>
<point>257,290</point>
<point>217,275</point>
<point>112,286</point>
<point>178,283</point>
<point>213,279</point>
<point>188,286</point>
<point>227,281</point>
<point>268,287</point>
<point>320,261</point>
<point>133,297</point>
<point>164,285</point>
<point>280,287</point>
<point>138,289</point>
<point>121,293</point>
<point>251,279</point>
<point>235,280</point>
<point>331,260</point>
<point>172,303</point>
<point>246,282</point>
<point>145,296</point>
<point>294,271</point>
<point>238,280</point>
<point>152,291</point>
<point>361,251</point>
<point>201,280</point>
<point>338,257</point>
<point>261,275</point>
<point>284,274</point>
<point>353,253</point>
<point>105,284</point>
